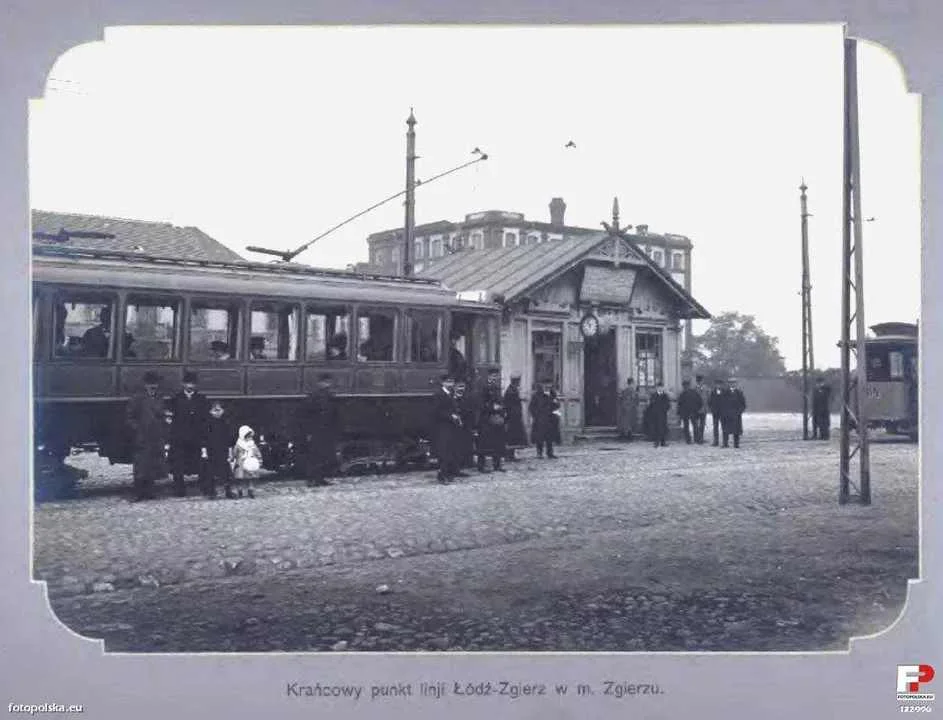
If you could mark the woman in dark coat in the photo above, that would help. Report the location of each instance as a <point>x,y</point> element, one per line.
<point>514,409</point>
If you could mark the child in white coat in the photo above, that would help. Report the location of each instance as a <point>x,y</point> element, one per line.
<point>247,460</point>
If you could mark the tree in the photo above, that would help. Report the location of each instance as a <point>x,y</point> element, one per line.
<point>735,346</point>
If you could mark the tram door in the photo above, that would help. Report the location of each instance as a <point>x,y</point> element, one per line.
<point>473,345</point>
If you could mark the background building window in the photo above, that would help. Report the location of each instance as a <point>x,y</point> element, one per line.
<point>510,239</point>
<point>214,331</point>
<point>648,359</point>
<point>274,332</point>
<point>83,326</point>
<point>424,331</point>
<point>375,332</point>
<point>150,330</point>
<point>418,245</point>
<point>677,261</point>
<point>476,241</point>
<point>327,334</point>
<point>659,257</point>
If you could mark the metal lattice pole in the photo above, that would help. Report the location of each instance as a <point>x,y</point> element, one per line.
<point>854,409</point>
<point>808,363</point>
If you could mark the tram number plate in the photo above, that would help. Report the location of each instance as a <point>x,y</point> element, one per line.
<point>873,392</point>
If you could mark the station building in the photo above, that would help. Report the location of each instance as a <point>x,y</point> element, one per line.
<point>583,312</point>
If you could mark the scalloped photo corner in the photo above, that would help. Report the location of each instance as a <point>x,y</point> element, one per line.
<point>476,339</point>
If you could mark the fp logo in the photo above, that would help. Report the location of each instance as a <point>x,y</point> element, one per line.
<point>911,677</point>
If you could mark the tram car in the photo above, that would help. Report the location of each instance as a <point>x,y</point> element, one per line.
<point>258,336</point>
<point>892,377</point>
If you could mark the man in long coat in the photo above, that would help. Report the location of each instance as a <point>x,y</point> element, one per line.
<point>660,404</point>
<point>465,434</point>
<point>492,440</point>
<point>190,409</point>
<point>689,405</point>
<point>514,407</point>
<point>821,409</point>
<point>543,429</point>
<point>146,421</point>
<point>446,423</point>
<point>628,411</point>
<point>321,427</point>
<point>700,421</point>
<point>733,405</point>
<point>714,404</point>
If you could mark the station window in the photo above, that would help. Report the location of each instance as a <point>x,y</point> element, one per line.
<point>546,347</point>
<point>424,330</point>
<point>214,331</point>
<point>327,334</point>
<point>376,329</point>
<point>648,359</point>
<point>274,331</point>
<point>150,329</point>
<point>83,326</point>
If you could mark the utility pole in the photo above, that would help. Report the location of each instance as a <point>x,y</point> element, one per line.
<point>854,409</point>
<point>808,361</point>
<point>410,229</point>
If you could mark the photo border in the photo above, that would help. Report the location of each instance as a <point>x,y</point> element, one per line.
<point>42,661</point>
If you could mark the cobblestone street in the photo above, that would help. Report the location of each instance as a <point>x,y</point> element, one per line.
<point>611,547</point>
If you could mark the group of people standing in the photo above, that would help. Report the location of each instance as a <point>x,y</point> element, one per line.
<point>471,428</point>
<point>194,436</point>
<point>724,401</point>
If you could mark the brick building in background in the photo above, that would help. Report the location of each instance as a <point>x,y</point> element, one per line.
<point>493,229</point>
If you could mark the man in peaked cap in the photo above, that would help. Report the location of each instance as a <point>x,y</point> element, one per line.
<point>188,431</point>
<point>321,427</point>
<point>446,427</point>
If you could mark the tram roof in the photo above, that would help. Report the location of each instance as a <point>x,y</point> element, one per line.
<point>69,265</point>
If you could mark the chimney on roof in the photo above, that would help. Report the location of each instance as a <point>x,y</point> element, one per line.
<point>557,210</point>
<point>642,229</point>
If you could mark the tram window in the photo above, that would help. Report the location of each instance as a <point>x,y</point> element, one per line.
<point>425,329</point>
<point>328,333</point>
<point>214,331</point>
<point>375,332</point>
<point>274,332</point>
<point>485,339</point>
<point>150,329</point>
<point>878,367</point>
<point>896,364</point>
<point>83,326</point>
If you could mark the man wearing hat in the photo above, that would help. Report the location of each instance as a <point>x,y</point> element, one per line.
<point>446,428</point>
<point>188,432</point>
<point>145,418</point>
<point>321,427</point>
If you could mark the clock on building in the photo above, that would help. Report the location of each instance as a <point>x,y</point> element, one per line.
<point>589,325</point>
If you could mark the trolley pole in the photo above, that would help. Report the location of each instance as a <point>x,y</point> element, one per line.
<point>410,229</point>
<point>854,410</point>
<point>808,363</point>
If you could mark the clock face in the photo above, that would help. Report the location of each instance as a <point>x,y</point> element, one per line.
<point>589,325</point>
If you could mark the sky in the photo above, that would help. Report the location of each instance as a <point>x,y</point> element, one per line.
<point>269,136</point>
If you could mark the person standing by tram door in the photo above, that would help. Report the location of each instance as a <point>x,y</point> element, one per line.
<point>715,405</point>
<point>689,407</point>
<point>514,407</point>
<point>492,440</point>
<point>660,404</point>
<point>447,425</point>
<point>321,424</point>
<point>145,419</point>
<point>188,431</point>
<point>733,404</point>
<point>821,410</point>
<point>700,420</point>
